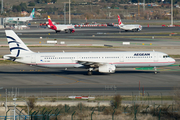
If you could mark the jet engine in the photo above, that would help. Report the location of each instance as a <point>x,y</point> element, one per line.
<point>108,68</point>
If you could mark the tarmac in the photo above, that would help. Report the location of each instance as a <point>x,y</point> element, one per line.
<point>34,81</point>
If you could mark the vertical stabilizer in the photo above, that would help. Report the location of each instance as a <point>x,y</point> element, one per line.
<point>50,21</point>
<point>119,20</point>
<point>50,24</point>
<point>32,13</point>
<point>16,45</point>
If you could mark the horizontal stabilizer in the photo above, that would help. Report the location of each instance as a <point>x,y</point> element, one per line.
<point>10,57</point>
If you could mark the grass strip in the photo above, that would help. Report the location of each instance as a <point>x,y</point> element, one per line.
<point>97,98</point>
<point>5,62</point>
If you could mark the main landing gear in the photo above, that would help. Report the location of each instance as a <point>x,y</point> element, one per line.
<point>155,70</point>
<point>90,71</point>
<point>58,31</point>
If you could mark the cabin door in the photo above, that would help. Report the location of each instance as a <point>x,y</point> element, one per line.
<point>155,57</point>
<point>121,58</point>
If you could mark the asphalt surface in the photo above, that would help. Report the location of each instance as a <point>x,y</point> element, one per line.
<point>95,30</point>
<point>37,81</point>
<point>57,82</point>
<point>100,35</point>
<point>167,22</point>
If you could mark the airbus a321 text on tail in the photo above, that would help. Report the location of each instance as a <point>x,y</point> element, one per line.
<point>59,28</point>
<point>132,27</point>
<point>104,62</point>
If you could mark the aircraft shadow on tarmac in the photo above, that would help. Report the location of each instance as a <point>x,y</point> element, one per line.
<point>69,72</point>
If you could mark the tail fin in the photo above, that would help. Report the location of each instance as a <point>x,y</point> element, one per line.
<point>16,45</point>
<point>32,13</point>
<point>119,20</point>
<point>50,22</point>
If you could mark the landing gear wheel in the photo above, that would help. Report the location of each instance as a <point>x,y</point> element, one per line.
<point>134,30</point>
<point>155,70</point>
<point>67,31</point>
<point>89,72</point>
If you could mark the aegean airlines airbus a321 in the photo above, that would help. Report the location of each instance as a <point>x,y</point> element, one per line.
<point>104,62</point>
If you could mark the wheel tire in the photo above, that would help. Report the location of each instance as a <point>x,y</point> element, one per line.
<point>68,31</point>
<point>89,72</point>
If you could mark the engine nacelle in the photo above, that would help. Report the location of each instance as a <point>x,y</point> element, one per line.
<point>108,68</point>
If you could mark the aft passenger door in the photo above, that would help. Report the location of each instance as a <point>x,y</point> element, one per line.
<point>121,58</point>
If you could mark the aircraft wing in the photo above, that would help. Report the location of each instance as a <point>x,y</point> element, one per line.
<point>91,63</point>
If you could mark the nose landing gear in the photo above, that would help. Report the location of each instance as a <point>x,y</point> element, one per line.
<point>155,70</point>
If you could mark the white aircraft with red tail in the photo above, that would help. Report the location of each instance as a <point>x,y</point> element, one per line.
<point>59,28</point>
<point>130,27</point>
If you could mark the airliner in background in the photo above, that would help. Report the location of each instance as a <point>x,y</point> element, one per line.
<point>21,19</point>
<point>104,62</point>
<point>129,27</point>
<point>59,28</point>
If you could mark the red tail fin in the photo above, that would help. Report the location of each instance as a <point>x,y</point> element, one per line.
<point>51,25</point>
<point>50,22</point>
<point>119,20</point>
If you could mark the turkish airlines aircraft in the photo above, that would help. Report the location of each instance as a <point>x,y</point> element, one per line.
<point>133,27</point>
<point>59,28</point>
<point>104,62</point>
<point>22,19</point>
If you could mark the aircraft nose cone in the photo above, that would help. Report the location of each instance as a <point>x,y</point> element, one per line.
<point>140,27</point>
<point>173,61</point>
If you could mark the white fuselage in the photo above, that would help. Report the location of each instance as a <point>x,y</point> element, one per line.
<point>22,19</point>
<point>131,27</point>
<point>119,59</point>
<point>64,27</point>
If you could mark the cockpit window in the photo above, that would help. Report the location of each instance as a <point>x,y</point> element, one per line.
<point>165,56</point>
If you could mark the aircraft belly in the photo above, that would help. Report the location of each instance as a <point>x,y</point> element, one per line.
<point>56,65</point>
<point>130,65</point>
